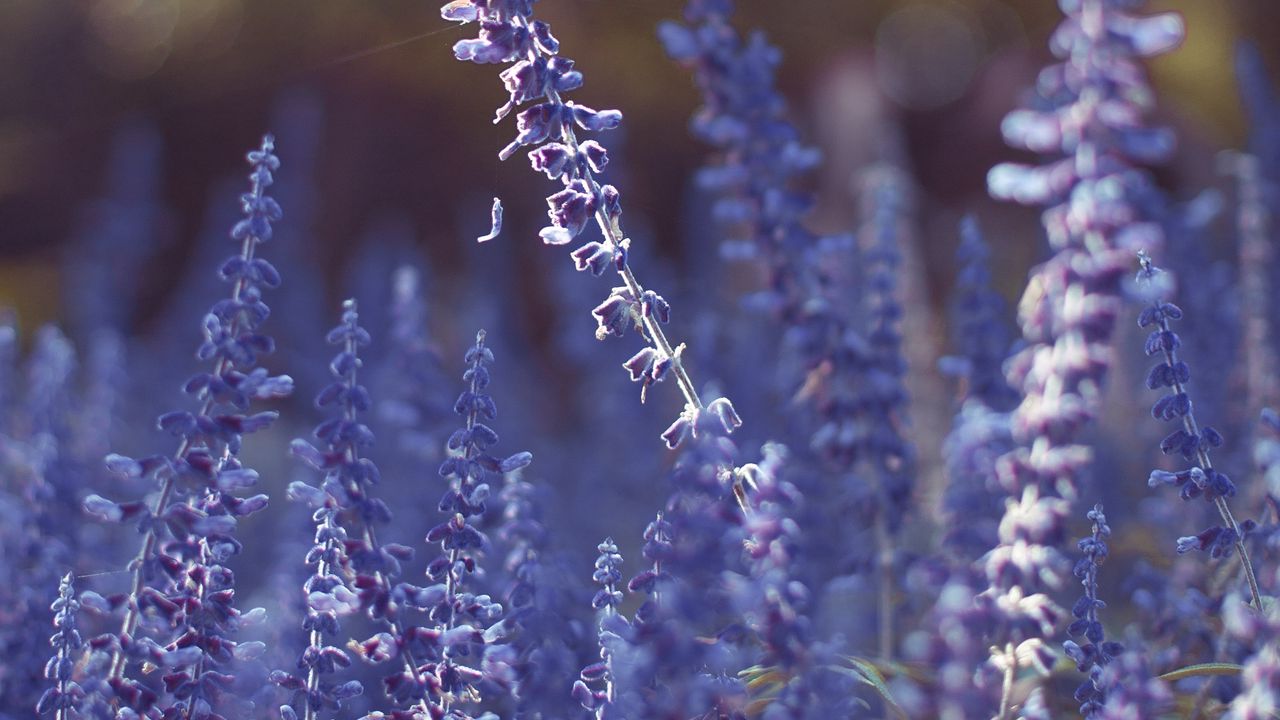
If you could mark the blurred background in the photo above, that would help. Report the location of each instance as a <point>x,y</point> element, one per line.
<point>395,127</point>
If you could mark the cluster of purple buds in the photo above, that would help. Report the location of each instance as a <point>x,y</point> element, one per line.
<point>760,155</point>
<point>608,575</point>
<point>1097,652</point>
<point>65,696</point>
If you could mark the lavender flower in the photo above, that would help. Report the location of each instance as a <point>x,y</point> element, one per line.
<point>372,566</point>
<point>600,674</point>
<point>1192,441</point>
<point>690,546</point>
<point>464,622</point>
<point>410,374</point>
<point>1096,653</point>
<point>180,580</point>
<point>981,335</point>
<point>951,642</point>
<point>760,155</point>
<point>1133,691</point>
<point>121,229</point>
<point>774,602</point>
<point>1088,108</point>
<point>64,698</point>
<point>509,34</point>
<point>345,488</point>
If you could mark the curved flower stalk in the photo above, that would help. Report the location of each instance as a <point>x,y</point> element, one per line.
<point>1191,440</point>
<point>466,623</point>
<point>180,579</point>
<point>1097,652</point>
<point>606,601</point>
<point>760,155</point>
<point>64,698</point>
<point>509,34</point>
<point>1089,109</point>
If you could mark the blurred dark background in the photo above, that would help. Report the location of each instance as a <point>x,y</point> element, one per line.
<point>403,130</point>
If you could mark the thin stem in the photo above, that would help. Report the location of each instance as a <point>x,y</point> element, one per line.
<point>885,564</point>
<point>1202,455</point>
<point>612,231</point>
<point>317,636</point>
<point>1010,673</point>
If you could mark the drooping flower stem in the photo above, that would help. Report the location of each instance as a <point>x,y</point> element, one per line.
<point>537,73</point>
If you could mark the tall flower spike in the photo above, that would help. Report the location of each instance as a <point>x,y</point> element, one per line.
<point>1097,652</point>
<point>466,623</point>
<point>760,155</point>
<point>64,698</point>
<point>874,394</point>
<point>345,488</point>
<point>347,491</point>
<point>608,575</point>
<point>1087,108</point>
<point>535,604</point>
<point>1191,440</point>
<point>687,597</point>
<point>179,576</point>
<point>538,74</point>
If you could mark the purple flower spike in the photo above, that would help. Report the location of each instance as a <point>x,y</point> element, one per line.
<point>1093,656</point>
<point>535,79</point>
<point>1087,111</point>
<point>1191,440</point>
<point>180,574</point>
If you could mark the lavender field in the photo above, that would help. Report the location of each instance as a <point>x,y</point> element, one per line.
<point>829,359</point>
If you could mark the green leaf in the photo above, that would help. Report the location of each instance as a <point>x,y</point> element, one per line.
<point>1201,670</point>
<point>865,672</point>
